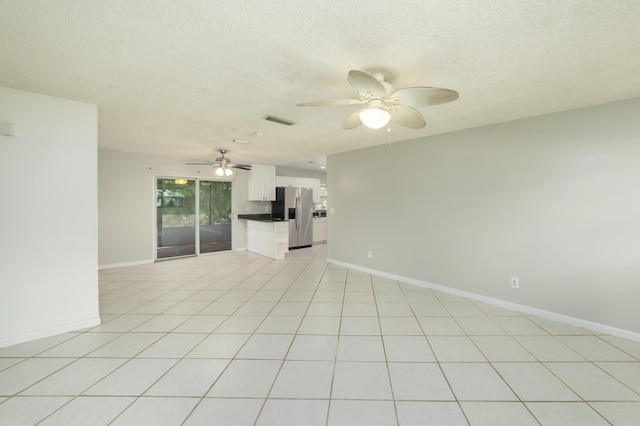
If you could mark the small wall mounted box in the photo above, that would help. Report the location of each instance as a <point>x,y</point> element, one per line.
<point>6,128</point>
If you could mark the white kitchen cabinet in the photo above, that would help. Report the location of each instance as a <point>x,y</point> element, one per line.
<point>283,181</point>
<point>319,230</point>
<point>316,191</point>
<point>262,183</point>
<point>312,183</point>
<point>300,182</point>
<point>269,239</point>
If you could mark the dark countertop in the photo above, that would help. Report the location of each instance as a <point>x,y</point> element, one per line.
<point>260,218</point>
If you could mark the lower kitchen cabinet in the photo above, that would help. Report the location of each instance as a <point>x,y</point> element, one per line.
<point>319,230</point>
<point>268,238</point>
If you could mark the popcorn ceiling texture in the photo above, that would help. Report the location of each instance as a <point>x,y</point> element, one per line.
<point>184,78</point>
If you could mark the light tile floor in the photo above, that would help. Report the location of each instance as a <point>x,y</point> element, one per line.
<point>236,338</point>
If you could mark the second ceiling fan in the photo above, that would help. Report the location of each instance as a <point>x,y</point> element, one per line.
<point>223,164</point>
<point>384,104</point>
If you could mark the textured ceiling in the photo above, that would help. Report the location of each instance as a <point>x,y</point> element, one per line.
<point>184,78</point>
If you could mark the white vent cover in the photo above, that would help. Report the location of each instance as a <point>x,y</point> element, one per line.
<point>6,128</point>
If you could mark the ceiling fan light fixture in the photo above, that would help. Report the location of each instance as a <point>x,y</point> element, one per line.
<point>374,117</point>
<point>223,171</point>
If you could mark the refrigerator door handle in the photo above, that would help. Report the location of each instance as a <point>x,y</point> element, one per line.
<point>298,208</point>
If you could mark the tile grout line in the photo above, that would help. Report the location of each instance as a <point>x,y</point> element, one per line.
<point>437,361</point>
<point>384,351</point>
<point>335,355</point>
<point>234,356</point>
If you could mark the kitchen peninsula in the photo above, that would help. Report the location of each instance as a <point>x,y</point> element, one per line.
<point>266,236</point>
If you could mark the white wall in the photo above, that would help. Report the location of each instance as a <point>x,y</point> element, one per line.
<point>48,181</point>
<point>553,200</point>
<point>126,204</point>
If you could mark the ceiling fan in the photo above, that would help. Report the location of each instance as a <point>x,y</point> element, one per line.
<point>385,104</point>
<point>223,163</point>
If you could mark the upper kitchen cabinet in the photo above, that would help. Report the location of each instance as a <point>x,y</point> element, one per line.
<point>316,191</point>
<point>314,184</point>
<point>262,183</point>
<point>300,182</point>
<point>283,181</point>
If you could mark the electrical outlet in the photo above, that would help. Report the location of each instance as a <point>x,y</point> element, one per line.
<point>515,282</point>
<point>369,255</point>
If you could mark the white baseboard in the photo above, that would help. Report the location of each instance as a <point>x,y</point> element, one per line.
<point>48,332</point>
<point>593,326</point>
<point>125,264</point>
<point>145,262</point>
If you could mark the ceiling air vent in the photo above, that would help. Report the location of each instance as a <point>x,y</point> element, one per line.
<point>279,120</point>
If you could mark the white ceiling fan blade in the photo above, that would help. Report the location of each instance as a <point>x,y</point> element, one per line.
<point>365,82</point>
<point>424,96</point>
<point>407,117</point>
<point>332,102</point>
<point>352,121</point>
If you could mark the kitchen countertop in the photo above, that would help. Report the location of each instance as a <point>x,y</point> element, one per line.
<point>260,218</point>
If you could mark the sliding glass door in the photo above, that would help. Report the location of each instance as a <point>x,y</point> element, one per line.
<point>182,232</point>
<point>215,208</point>
<point>176,219</point>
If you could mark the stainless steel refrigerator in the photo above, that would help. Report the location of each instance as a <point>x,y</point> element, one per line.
<point>295,205</point>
